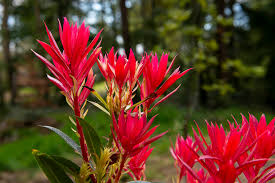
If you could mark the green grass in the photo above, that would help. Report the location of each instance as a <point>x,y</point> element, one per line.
<point>17,155</point>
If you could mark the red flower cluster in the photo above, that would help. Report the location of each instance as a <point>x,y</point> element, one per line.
<point>136,164</point>
<point>133,133</point>
<point>199,175</point>
<point>132,137</point>
<point>119,68</point>
<point>264,136</point>
<point>182,154</point>
<point>130,128</point>
<point>154,73</point>
<point>71,68</point>
<point>244,149</point>
<point>122,75</point>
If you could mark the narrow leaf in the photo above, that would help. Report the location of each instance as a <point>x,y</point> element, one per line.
<point>66,138</point>
<point>100,107</point>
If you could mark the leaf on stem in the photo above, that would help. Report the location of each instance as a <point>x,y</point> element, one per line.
<point>66,138</point>
<point>51,168</point>
<point>69,166</point>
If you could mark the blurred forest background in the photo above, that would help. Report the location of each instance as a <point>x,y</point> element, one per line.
<point>229,43</point>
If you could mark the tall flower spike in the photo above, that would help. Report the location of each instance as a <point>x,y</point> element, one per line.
<point>136,164</point>
<point>115,68</point>
<point>154,73</point>
<point>119,68</point>
<point>181,152</point>
<point>121,75</point>
<point>132,132</point>
<point>71,68</point>
<point>104,63</point>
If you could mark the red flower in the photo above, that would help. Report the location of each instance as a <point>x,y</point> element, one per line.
<point>265,147</point>
<point>265,134</point>
<point>133,133</point>
<point>229,154</point>
<point>104,63</point>
<point>224,151</point>
<point>181,152</point>
<point>71,68</point>
<point>201,175</point>
<point>121,69</point>
<point>121,75</point>
<point>154,73</point>
<point>137,163</point>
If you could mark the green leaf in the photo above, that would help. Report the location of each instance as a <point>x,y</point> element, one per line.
<point>91,137</point>
<point>66,138</point>
<point>51,168</point>
<point>100,107</point>
<point>69,166</point>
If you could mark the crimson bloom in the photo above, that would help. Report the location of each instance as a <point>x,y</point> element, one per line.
<point>132,132</point>
<point>201,175</point>
<point>119,68</point>
<point>137,163</point>
<point>225,150</point>
<point>71,68</point>
<point>121,75</point>
<point>264,134</point>
<point>229,154</point>
<point>154,73</point>
<point>182,153</point>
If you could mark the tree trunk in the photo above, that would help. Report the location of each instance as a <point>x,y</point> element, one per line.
<point>154,38</point>
<point>39,27</point>
<point>221,55</point>
<point>125,26</point>
<point>63,7</point>
<point>231,29</point>
<point>6,51</point>
<point>114,14</point>
<point>1,92</point>
<point>195,81</point>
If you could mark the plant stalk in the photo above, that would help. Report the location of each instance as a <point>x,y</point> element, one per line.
<point>80,131</point>
<point>84,149</point>
<point>124,158</point>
